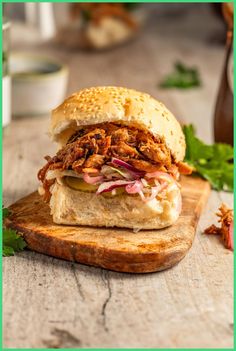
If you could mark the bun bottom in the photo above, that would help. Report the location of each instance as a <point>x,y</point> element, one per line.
<point>74,207</point>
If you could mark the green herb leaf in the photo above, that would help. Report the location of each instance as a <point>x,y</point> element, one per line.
<point>131,5</point>
<point>86,15</point>
<point>5,213</point>
<point>195,146</point>
<point>182,77</point>
<point>7,251</point>
<point>223,152</point>
<point>212,162</point>
<point>11,241</point>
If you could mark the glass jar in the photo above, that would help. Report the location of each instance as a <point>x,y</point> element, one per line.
<point>6,80</point>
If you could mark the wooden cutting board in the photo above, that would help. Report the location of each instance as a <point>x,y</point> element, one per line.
<point>112,248</point>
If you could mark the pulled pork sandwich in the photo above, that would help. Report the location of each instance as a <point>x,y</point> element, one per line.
<point>119,161</point>
<point>103,25</point>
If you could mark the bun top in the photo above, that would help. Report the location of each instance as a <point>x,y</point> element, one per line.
<point>122,105</point>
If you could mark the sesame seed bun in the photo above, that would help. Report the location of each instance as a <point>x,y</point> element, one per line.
<point>116,104</point>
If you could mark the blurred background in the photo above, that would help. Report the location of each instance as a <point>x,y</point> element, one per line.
<point>52,50</point>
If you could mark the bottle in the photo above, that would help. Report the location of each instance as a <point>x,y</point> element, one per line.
<point>223,122</point>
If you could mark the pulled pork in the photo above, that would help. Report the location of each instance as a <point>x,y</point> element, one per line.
<point>88,149</point>
<point>225,215</point>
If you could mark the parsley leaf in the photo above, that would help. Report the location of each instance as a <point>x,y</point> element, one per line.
<point>11,241</point>
<point>182,77</point>
<point>212,162</point>
<point>5,213</point>
<point>130,5</point>
<point>7,251</point>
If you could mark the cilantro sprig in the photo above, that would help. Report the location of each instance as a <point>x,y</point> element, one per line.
<point>11,241</point>
<point>182,77</point>
<point>212,162</point>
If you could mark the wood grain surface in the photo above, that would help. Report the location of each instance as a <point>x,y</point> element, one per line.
<point>116,249</point>
<point>48,302</point>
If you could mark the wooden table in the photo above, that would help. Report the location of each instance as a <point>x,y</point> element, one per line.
<point>56,304</point>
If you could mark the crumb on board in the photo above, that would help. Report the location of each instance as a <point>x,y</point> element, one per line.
<point>226,220</point>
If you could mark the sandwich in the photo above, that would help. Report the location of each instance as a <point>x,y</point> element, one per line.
<point>118,163</point>
<point>102,25</point>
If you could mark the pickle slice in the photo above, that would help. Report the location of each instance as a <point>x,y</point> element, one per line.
<point>80,184</point>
